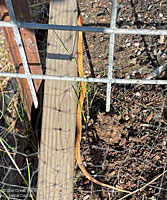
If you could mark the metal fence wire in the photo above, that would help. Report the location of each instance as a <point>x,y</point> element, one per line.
<point>112,31</point>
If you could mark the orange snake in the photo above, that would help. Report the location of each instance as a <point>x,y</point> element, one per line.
<point>79,117</point>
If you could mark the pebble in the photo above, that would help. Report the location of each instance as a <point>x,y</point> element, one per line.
<point>163,143</point>
<point>138,94</point>
<point>149,7</point>
<point>161,39</point>
<point>153,198</point>
<point>128,44</point>
<point>133,61</point>
<point>138,53</point>
<point>101,39</point>
<point>126,117</point>
<point>137,44</point>
<point>160,14</point>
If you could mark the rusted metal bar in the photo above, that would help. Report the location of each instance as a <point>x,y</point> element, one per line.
<point>22,14</point>
<point>21,51</point>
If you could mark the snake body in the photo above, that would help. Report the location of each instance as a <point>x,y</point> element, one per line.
<point>79,117</point>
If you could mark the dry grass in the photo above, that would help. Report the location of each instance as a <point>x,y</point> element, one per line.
<point>5,64</point>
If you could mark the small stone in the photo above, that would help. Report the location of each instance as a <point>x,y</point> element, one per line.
<point>101,39</point>
<point>128,44</point>
<point>153,198</point>
<point>137,44</point>
<point>138,94</point>
<point>126,117</point>
<point>149,7</point>
<point>160,14</point>
<point>138,53</point>
<point>163,143</point>
<point>161,39</point>
<point>133,61</point>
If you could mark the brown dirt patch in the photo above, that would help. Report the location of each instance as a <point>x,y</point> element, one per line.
<point>127,146</point>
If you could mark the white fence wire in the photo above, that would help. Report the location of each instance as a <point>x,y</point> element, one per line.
<point>112,31</point>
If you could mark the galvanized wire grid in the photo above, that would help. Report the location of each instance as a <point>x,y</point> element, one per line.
<point>112,31</point>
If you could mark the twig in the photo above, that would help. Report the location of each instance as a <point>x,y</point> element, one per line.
<point>144,186</point>
<point>156,72</point>
<point>39,4</point>
<point>14,163</point>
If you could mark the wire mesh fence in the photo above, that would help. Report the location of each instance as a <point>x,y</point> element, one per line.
<point>13,177</point>
<point>137,154</point>
<point>110,31</point>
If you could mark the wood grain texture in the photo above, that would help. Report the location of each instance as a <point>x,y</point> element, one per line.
<point>56,164</point>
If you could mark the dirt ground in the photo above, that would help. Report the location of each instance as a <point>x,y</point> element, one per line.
<point>126,147</point>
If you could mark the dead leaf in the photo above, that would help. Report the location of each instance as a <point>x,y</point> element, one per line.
<point>149,118</point>
<point>157,157</point>
<point>103,20</point>
<point>109,129</point>
<point>112,173</point>
<point>122,142</point>
<point>141,177</point>
<point>119,187</point>
<point>161,39</point>
<point>135,139</point>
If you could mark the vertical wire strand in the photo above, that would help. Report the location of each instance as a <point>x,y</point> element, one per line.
<point>111,52</point>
